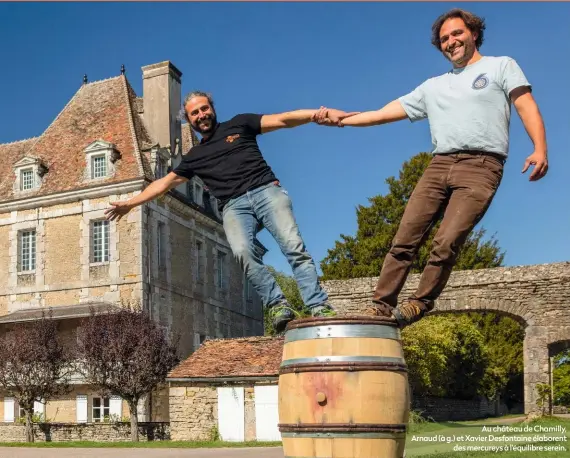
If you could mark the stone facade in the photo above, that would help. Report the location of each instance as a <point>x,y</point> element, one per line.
<point>64,273</point>
<point>193,412</point>
<point>153,257</point>
<point>97,432</point>
<point>536,296</point>
<point>196,293</point>
<point>194,409</point>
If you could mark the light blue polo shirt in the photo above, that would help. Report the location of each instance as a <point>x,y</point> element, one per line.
<point>468,108</point>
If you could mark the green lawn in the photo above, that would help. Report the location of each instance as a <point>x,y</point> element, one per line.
<point>152,444</point>
<point>445,440</point>
<point>442,439</point>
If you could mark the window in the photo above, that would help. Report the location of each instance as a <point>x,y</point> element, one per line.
<point>197,194</point>
<point>221,260</point>
<point>29,172</point>
<point>100,241</point>
<point>27,251</point>
<point>161,168</point>
<point>27,179</point>
<point>199,272</point>
<point>161,244</point>
<point>189,190</point>
<point>101,409</point>
<point>248,289</point>
<point>98,166</point>
<point>100,160</point>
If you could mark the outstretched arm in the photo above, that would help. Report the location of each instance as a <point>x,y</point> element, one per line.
<point>531,118</point>
<point>389,113</point>
<point>295,118</point>
<point>154,190</point>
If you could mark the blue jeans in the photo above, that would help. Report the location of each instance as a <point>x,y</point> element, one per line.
<point>270,207</point>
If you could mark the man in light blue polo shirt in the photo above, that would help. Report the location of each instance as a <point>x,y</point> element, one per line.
<point>468,110</point>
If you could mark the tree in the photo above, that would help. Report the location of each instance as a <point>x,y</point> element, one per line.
<point>504,341</point>
<point>34,365</point>
<point>446,357</point>
<point>362,255</point>
<point>561,377</point>
<point>290,289</point>
<point>127,354</point>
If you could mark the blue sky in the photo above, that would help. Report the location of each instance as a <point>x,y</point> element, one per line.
<point>274,57</point>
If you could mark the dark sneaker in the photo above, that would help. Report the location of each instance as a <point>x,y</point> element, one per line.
<point>323,310</point>
<point>280,314</point>
<point>407,313</point>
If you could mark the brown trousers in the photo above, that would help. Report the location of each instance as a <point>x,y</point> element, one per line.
<point>459,185</point>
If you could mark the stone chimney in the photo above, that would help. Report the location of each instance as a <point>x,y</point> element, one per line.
<point>162,99</point>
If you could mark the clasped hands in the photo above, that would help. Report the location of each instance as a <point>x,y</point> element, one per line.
<point>331,116</point>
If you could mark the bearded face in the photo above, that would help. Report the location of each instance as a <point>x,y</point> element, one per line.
<point>457,42</point>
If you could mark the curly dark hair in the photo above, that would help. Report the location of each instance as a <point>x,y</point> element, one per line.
<point>473,22</point>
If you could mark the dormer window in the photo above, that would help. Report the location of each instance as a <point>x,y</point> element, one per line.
<point>29,172</point>
<point>98,166</point>
<point>159,161</point>
<point>198,191</point>
<point>100,160</point>
<point>27,179</point>
<point>161,168</point>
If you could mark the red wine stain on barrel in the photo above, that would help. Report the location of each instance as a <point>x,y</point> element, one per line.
<point>329,383</point>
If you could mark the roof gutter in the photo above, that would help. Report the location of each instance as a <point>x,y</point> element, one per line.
<point>92,192</point>
<point>224,379</point>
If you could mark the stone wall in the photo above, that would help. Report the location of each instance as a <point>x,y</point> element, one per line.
<point>537,296</point>
<point>67,432</point>
<point>444,409</point>
<point>193,412</point>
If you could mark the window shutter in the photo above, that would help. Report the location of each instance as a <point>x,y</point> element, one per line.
<point>9,408</point>
<point>116,406</point>
<point>81,407</point>
<point>39,407</point>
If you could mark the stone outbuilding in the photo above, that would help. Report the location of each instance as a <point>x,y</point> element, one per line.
<point>227,390</point>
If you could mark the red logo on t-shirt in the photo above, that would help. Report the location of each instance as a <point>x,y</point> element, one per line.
<point>231,138</point>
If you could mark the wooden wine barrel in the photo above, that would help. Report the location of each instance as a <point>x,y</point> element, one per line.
<point>343,389</point>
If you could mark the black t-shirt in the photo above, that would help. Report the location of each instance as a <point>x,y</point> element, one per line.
<point>229,162</point>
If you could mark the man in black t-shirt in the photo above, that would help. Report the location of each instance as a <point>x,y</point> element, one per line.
<point>231,165</point>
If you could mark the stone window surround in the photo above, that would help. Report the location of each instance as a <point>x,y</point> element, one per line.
<point>14,251</point>
<point>161,243</point>
<point>96,149</point>
<point>21,233</point>
<point>92,242</point>
<point>201,259</point>
<point>160,271</point>
<point>198,197</point>
<point>225,271</point>
<point>38,168</point>
<point>247,289</point>
<point>86,243</point>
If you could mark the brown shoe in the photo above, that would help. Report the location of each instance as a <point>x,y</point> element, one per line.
<point>408,313</point>
<point>378,309</point>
